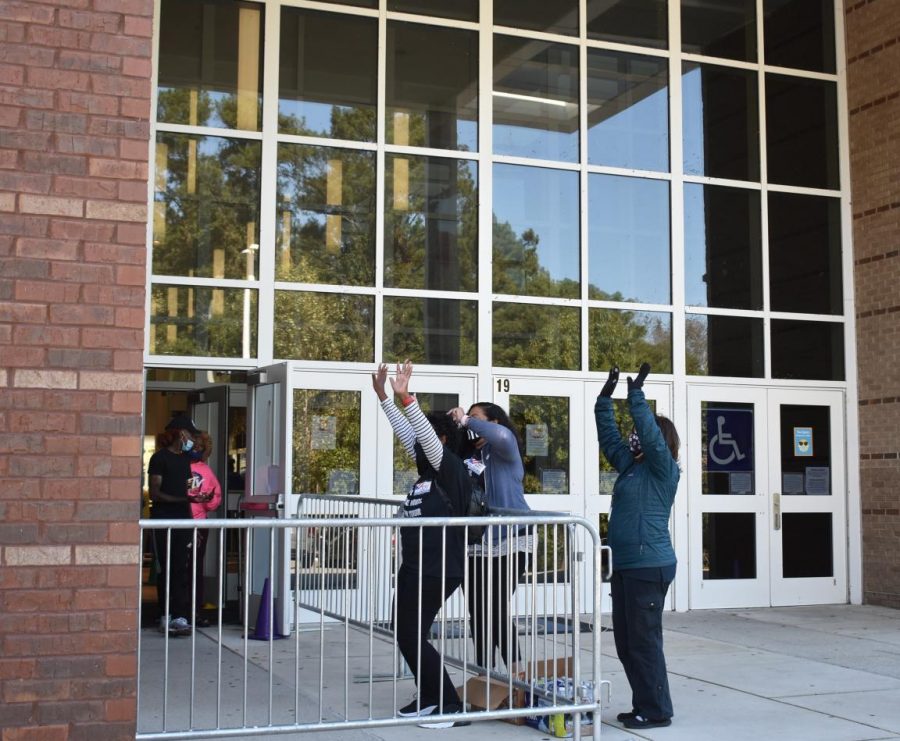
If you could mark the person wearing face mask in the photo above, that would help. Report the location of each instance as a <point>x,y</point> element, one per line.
<point>643,557</point>
<point>502,557</point>
<point>169,474</point>
<point>205,495</point>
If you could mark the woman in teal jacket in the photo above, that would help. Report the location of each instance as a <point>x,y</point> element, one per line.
<point>643,557</point>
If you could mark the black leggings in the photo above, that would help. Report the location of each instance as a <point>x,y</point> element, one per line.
<point>501,634</point>
<point>423,660</point>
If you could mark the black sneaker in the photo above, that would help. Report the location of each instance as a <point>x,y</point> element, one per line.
<point>413,709</point>
<point>639,721</point>
<point>622,717</point>
<point>448,710</point>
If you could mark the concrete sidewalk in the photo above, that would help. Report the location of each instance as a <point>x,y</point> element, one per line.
<point>825,673</point>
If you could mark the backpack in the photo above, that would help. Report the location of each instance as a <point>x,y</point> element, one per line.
<point>477,507</point>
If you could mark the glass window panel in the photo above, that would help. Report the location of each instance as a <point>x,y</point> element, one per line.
<point>559,16</point>
<point>535,239</point>
<point>197,320</point>
<point>210,64</point>
<point>326,441</point>
<point>461,10</point>
<point>206,206</point>
<point>808,350</point>
<point>325,230</point>
<point>608,474</point>
<point>327,75</point>
<point>629,338</point>
<point>800,33</point>
<point>728,460</point>
<point>805,450</point>
<point>535,98</point>
<point>805,254</point>
<point>405,473</point>
<point>806,545</point>
<point>729,545</point>
<point>542,424</point>
<point>431,223</point>
<point>628,239</point>
<point>432,87</point>
<point>721,122</point>
<point>642,22</point>
<point>801,132</point>
<point>723,346</point>
<point>628,110</point>
<point>434,331</point>
<point>722,247</point>
<point>537,336</point>
<point>324,326</point>
<point>719,28</point>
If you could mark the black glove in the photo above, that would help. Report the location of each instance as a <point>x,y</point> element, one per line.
<point>639,381</point>
<point>611,382</point>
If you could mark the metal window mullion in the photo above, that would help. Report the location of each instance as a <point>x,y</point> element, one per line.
<point>380,180</point>
<point>583,187</point>
<point>485,198</point>
<point>265,303</point>
<point>763,196</point>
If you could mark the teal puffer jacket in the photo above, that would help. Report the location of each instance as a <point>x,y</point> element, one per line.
<point>644,491</point>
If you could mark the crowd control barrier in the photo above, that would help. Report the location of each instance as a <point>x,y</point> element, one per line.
<point>530,655</point>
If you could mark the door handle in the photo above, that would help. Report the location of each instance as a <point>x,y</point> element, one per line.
<point>776,510</point>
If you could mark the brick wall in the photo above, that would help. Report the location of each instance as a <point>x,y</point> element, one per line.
<point>74,106</point>
<point>873,57</point>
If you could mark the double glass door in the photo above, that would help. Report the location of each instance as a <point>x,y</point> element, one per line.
<point>767,497</point>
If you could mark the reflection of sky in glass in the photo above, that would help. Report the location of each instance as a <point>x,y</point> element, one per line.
<point>314,119</point>
<point>634,132</point>
<point>546,201</point>
<point>523,141</point>
<point>694,245</point>
<point>692,122</point>
<point>628,238</point>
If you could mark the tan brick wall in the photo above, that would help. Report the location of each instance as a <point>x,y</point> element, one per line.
<point>74,143</point>
<point>873,87</point>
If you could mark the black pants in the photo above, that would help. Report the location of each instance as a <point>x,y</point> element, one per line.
<point>174,572</point>
<point>637,607</point>
<point>412,638</point>
<point>498,633</point>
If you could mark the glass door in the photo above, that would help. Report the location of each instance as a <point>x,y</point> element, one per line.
<point>728,490</point>
<point>767,497</point>
<point>806,482</point>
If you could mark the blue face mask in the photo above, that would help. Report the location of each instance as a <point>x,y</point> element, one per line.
<point>195,455</point>
<point>187,445</point>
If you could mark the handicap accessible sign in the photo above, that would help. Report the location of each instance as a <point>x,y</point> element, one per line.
<point>729,434</point>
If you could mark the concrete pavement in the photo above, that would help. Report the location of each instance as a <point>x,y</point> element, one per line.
<point>823,673</point>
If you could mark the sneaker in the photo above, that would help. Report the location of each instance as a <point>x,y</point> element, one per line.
<point>179,627</point>
<point>413,709</point>
<point>448,710</point>
<point>163,626</point>
<point>639,721</point>
<point>622,717</point>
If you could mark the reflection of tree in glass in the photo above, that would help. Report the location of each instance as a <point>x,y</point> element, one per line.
<point>628,338</point>
<point>517,267</point>
<point>207,211</point>
<point>552,411</point>
<point>696,346</point>
<point>314,463</point>
<point>324,326</point>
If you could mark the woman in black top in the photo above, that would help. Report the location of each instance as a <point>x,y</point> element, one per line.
<point>432,563</point>
<point>169,474</point>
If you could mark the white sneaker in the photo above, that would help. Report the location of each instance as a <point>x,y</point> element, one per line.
<point>163,626</point>
<point>179,627</point>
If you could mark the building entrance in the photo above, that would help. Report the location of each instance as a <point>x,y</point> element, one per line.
<point>767,497</point>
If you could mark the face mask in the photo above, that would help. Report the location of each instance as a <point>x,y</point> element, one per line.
<point>195,455</point>
<point>634,443</point>
<point>187,445</point>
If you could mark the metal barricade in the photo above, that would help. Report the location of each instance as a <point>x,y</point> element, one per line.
<point>527,648</point>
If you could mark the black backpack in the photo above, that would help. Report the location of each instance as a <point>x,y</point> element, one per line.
<point>477,508</point>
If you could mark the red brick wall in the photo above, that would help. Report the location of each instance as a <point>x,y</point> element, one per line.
<point>873,58</point>
<point>74,131</point>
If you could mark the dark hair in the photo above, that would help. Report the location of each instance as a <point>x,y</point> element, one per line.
<point>495,413</point>
<point>445,427</point>
<point>165,438</point>
<point>669,433</point>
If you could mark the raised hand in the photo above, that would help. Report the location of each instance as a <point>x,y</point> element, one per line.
<point>457,414</point>
<point>611,382</point>
<point>379,378</point>
<point>641,377</point>
<point>400,381</point>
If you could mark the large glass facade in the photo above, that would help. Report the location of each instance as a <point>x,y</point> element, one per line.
<point>495,183</point>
